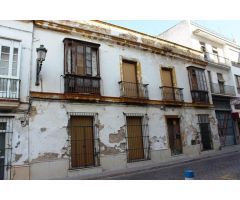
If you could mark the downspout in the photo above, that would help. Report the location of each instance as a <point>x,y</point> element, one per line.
<point>30,101</point>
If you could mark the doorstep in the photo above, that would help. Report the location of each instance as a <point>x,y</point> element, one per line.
<point>84,171</point>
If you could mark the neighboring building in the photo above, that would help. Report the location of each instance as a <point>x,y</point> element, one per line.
<point>15,62</point>
<point>108,98</point>
<point>223,72</point>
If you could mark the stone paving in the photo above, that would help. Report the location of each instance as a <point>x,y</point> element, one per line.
<point>222,167</point>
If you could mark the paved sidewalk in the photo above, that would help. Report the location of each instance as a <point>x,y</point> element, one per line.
<point>175,161</point>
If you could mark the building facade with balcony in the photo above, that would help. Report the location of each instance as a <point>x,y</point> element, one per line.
<point>110,98</point>
<point>222,71</point>
<point>15,62</point>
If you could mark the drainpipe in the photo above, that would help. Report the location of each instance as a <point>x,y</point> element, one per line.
<point>29,89</point>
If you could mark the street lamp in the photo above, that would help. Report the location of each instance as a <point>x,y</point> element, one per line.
<point>41,55</point>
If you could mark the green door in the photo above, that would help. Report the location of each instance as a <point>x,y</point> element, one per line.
<point>2,154</point>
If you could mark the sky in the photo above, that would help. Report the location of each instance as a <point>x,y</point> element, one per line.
<point>228,28</point>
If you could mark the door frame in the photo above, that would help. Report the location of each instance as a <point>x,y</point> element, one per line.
<point>166,122</point>
<point>8,145</point>
<point>96,143</point>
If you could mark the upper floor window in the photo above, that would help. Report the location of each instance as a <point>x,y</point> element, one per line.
<point>198,85</point>
<point>203,49</point>
<point>9,69</point>
<point>9,58</point>
<point>81,67</point>
<point>238,83</point>
<point>81,58</point>
<point>197,79</point>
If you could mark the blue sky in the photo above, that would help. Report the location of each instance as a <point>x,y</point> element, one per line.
<point>228,28</point>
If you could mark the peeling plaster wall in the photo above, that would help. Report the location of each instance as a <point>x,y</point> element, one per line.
<point>52,145</point>
<point>48,135</point>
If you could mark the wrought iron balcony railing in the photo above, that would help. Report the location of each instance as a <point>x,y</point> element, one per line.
<point>211,57</point>
<point>217,88</point>
<point>133,90</point>
<point>172,94</point>
<point>9,88</point>
<point>235,64</point>
<point>81,84</point>
<point>199,96</point>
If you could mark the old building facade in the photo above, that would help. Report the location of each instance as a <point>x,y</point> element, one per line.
<point>222,55</point>
<point>107,98</point>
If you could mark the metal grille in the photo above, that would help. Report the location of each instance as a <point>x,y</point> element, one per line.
<point>172,93</point>
<point>200,96</point>
<point>205,132</point>
<point>225,128</point>
<point>137,137</point>
<point>83,140</point>
<point>217,88</point>
<point>9,88</point>
<point>6,130</point>
<point>133,90</point>
<point>81,84</point>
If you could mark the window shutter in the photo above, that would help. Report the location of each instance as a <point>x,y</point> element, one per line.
<point>74,57</point>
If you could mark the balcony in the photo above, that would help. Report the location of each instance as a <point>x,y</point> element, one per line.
<point>216,59</point>
<point>199,96</point>
<point>133,90</point>
<point>9,89</point>
<point>81,84</point>
<point>172,94</point>
<point>221,89</point>
<point>235,64</point>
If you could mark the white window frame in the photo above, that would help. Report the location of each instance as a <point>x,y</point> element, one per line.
<point>12,44</point>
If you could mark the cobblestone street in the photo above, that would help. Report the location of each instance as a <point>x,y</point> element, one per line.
<point>222,167</point>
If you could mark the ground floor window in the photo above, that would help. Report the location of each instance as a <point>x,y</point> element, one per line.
<point>205,132</point>
<point>6,130</point>
<point>84,140</point>
<point>138,147</point>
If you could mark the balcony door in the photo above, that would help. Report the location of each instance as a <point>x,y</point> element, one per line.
<point>130,79</point>
<point>9,69</point>
<point>167,81</point>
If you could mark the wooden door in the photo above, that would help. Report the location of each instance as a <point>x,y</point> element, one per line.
<point>82,141</point>
<point>205,136</point>
<point>167,79</point>
<point>130,79</point>
<point>174,135</point>
<point>135,138</point>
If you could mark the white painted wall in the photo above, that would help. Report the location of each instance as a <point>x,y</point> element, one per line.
<point>110,58</point>
<point>174,34</point>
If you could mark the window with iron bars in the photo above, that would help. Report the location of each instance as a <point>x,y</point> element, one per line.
<point>205,132</point>
<point>137,137</point>
<point>6,131</point>
<point>83,140</point>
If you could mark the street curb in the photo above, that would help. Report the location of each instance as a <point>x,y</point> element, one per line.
<point>161,165</point>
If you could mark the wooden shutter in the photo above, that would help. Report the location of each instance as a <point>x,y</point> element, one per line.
<point>82,141</point>
<point>167,80</point>
<point>135,138</point>
<point>130,79</point>
<point>167,77</point>
<point>193,79</point>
